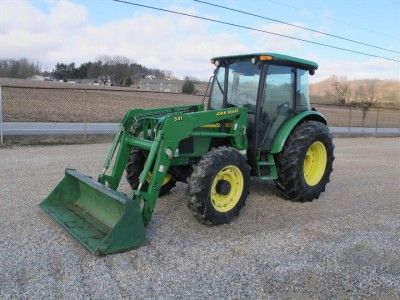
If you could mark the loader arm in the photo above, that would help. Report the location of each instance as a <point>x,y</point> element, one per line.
<point>124,140</point>
<point>176,124</point>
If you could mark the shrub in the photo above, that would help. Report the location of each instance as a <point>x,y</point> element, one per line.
<point>188,87</point>
<point>128,81</point>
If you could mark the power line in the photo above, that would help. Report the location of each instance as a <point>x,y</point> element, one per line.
<point>338,21</point>
<point>253,29</point>
<point>294,25</point>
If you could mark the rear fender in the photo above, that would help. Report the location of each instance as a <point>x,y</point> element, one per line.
<point>287,127</point>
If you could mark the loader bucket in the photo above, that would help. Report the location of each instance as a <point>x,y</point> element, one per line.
<point>104,221</point>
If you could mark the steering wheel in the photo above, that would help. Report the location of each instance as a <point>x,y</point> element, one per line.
<point>245,98</point>
<point>282,108</point>
<point>251,109</point>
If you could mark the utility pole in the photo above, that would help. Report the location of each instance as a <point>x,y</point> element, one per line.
<point>84,112</point>
<point>1,118</point>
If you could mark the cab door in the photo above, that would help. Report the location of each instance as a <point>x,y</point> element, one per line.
<point>277,103</point>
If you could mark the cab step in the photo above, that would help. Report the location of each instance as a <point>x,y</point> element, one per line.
<point>266,169</point>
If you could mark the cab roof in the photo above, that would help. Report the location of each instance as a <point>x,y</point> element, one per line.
<point>276,57</point>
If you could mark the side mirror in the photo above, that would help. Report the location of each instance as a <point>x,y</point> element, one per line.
<point>312,72</point>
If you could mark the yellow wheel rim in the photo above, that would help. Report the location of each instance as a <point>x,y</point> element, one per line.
<point>166,179</point>
<point>227,188</point>
<point>315,163</point>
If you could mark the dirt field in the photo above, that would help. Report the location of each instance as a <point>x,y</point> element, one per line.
<point>344,245</point>
<point>68,105</point>
<point>71,105</point>
<point>340,116</point>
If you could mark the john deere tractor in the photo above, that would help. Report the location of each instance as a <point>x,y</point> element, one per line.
<point>257,122</point>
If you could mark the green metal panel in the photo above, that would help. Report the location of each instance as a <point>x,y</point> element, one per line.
<point>201,145</point>
<point>287,127</point>
<point>276,57</point>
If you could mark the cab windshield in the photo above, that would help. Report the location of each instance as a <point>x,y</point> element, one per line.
<point>242,85</point>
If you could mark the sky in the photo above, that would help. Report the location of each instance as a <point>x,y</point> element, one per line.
<point>52,31</point>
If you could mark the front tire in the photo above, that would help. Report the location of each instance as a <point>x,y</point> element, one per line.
<point>135,166</point>
<point>219,186</point>
<point>305,163</point>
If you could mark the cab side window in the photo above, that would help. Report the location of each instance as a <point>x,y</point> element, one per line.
<point>279,88</point>
<point>217,96</point>
<point>278,101</point>
<point>302,90</point>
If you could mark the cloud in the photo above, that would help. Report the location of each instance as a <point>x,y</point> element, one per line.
<point>28,32</point>
<point>169,42</point>
<point>371,68</point>
<point>274,43</point>
<point>63,32</point>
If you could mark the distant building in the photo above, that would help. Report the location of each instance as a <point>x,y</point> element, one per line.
<point>40,78</point>
<point>90,81</point>
<point>169,85</point>
<point>150,77</point>
<point>160,85</point>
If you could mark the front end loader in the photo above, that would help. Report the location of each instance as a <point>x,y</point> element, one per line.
<point>258,122</point>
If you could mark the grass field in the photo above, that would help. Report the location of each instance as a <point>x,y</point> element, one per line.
<point>30,104</point>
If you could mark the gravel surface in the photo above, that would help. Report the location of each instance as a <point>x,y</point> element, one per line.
<point>346,244</point>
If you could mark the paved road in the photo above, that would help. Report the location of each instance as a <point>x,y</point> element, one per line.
<point>39,128</point>
<point>344,245</point>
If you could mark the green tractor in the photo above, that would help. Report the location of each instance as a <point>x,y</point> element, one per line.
<point>257,122</point>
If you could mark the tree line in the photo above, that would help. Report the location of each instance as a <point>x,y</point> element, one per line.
<point>19,68</point>
<point>363,93</point>
<point>345,94</point>
<point>117,70</point>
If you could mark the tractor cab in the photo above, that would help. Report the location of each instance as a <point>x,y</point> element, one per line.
<point>273,88</point>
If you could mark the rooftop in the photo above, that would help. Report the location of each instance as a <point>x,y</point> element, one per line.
<point>276,57</point>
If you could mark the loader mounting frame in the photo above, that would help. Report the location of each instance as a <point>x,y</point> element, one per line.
<point>176,125</point>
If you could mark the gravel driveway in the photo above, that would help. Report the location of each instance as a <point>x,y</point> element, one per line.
<point>346,244</point>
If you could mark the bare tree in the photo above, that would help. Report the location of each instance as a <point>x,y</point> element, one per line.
<point>360,93</point>
<point>340,91</point>
<point>117,68</point>
<point>393,98</point>
<point>371,87</point>
<point>21,68</point>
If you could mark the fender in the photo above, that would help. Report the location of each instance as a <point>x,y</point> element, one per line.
<point>287,127</point>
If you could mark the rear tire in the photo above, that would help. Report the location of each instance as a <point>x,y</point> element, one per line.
<point>135,166</point>
<point>219,186</point>
<point>301,176</point>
